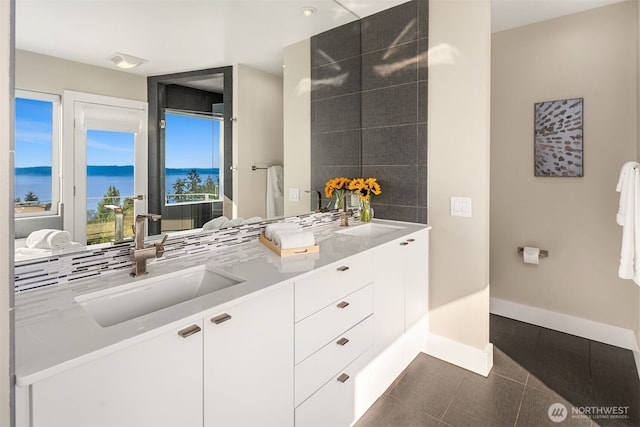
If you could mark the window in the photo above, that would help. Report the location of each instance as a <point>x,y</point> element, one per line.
<point>37,139</point>
<point>193,157</point>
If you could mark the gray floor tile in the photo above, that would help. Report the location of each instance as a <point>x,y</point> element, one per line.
<point>556,368</point>
<point>390,412</point>
<point>480,401</point>
<point>555,340</point>
<point>505,366</point>
<point>610,354</point>
<point>534,411</point>
<point>429,385</point>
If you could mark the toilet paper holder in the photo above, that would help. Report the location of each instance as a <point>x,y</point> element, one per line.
<point>543,252</point>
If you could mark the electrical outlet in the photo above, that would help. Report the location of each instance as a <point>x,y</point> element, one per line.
<point>294,194</point>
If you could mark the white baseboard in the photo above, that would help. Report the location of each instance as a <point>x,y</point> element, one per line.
<point>596,331</point>
<point>467,357</point>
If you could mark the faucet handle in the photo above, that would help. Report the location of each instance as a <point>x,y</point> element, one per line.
<point>160,246</point>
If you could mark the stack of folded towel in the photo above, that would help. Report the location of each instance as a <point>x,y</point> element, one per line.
<point>287,235</point>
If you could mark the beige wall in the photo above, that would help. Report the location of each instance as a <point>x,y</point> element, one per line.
<point>297,126</point>
<point>44,73</point>
<point>459,103</point>
<point>638,158</point>
<point>6,215</point>
<point>257,136</point>
<point>591,55</point>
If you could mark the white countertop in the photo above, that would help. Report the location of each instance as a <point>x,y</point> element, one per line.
<point>54,333</point>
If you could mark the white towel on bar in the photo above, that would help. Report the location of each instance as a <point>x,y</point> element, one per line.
<point>275,192</point>
<point>628,217</point>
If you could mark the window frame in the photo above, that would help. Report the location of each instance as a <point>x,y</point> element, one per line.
<point>56,149</point>
<point>199,115</point>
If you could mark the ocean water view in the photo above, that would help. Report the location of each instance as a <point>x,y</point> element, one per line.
<point>38,181</point>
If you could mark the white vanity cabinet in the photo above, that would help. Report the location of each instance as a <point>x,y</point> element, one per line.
<point>229,369</point>
<point>248,359</point>
<point>154,383</point>
<point>401,286</point>
<point>415,254</point>
<point>333,338</point>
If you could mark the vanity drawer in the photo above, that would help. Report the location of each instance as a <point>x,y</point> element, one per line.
<point>317,330</point>
<point>318,368</point>
<point>327,285</point>
<point>334,404</point>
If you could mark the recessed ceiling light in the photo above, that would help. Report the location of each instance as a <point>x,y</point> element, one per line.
<point>125,61</point>
<point>308,10</point>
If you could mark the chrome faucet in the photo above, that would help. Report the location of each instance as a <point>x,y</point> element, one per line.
<point>118,223</point>
<point>140,254</point>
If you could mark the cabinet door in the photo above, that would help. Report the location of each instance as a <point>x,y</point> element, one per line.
<point>248,362</point>
<point>389,267</point>
<point>154,383</point>
<point>415,254</point>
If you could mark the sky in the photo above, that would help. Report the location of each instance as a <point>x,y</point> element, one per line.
<point>33,133</point>
<point>188,140</point>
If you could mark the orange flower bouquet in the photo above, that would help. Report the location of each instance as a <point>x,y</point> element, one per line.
<point>365,189</point>
<point>339,188</point>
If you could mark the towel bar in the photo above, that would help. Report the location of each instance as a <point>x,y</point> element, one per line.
<point>543,252</point>
<point>255,168</point>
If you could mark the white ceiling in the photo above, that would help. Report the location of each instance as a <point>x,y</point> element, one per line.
<point>507,14</point>
<point>182,35</point>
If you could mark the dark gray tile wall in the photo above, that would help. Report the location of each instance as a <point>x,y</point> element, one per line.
<point>336,80</point>
<point>369,103</point>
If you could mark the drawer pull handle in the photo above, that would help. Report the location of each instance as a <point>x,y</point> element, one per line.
<point>342,341</point>
<point>187,332</point>
<point>342,268</point>
<point>411,240</point>
<point>343,378</point>
<point>342,304</point>
<point>221,318</point>
<point>404,243</point>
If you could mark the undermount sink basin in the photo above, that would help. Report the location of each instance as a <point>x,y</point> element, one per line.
<point>370,230</point>
<point>119,304</point>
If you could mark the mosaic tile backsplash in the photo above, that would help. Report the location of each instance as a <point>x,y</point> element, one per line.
<point>60,269</point>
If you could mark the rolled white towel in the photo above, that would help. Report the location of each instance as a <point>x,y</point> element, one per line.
<point>280,226</point>
<point>252,220</point>
<point>49,239</point>
<point>215,223</point>
<point>232,223</point>
<point>296,239</point>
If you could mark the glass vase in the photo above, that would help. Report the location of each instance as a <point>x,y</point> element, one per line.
<point>366,211</point>
<point>339,204</point>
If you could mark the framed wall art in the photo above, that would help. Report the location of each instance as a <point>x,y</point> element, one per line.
<point>558,146</point>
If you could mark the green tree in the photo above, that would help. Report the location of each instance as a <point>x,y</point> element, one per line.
<point>193,182</point>
<point>17,200</point>
<point>209,186</point>
<point>112,197</point>
<point>31,197</point>
<point>178,189</point>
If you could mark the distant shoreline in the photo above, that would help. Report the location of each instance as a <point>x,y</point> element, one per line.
<point>95,170</point>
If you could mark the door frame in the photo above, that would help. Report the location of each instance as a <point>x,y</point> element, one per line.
<point>74,188</point>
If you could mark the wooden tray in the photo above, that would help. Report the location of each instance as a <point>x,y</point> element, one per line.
<point>291,251</point>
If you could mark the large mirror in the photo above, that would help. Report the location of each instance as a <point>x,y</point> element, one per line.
<point>63,48</point>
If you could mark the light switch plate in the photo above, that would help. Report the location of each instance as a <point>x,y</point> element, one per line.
<point>294,194</point>
<point>461,206</point>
